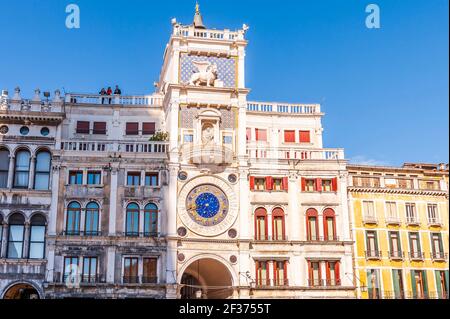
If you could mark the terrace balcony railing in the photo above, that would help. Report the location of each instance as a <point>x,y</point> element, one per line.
<point>417,256</point>
<point>393,220</point>
<point>156,148</point>
<point>260,283</point>
<point>412,221</point>
<point>432,221</point>
<point>268,107</point>
<point>439,256</point>
<point>131,100</point>
<point>324,282</point>
<point>370,219</point>
<point>296,153</point>
<point>396,255</point>
<point>373,255</point>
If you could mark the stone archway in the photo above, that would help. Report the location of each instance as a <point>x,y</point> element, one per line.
<point>208,276</point>
<point>21,291</point>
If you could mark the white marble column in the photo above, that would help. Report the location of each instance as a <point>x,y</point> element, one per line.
<point>245,220</point>
<point>54,203</point>
<point>26,241</point>
<point>11,171</point>
<point>3,247</point>
<point>113,201</point>
<point>110,265</point>
<point>32,169</point>
<point>294,208</point>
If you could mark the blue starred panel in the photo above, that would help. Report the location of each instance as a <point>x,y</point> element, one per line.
<point>207,205</point>
<point>226,68</point>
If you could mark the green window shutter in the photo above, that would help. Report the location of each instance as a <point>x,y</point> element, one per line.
<point>446,283</point>
<point>438,283</point>
<point>413,283</point>
<point>390,242</point>
<point>440,243</point>
<point>433,251</point>
<point>425,283</point>
<point>396,283</point>
<point>418,243</point>
<point>376,241</point>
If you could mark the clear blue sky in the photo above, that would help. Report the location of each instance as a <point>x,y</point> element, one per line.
<point>385,91</point>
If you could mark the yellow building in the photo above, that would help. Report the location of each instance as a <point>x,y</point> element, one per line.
<point>399,219</point>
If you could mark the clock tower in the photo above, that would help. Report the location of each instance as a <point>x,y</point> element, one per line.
<point>205,102</point>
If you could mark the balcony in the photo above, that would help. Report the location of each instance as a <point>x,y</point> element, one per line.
<point>412,221</point>
<point>393,220</point>
<point>396,255</point>
<point>439,256</point>
<point>140,192</point>
<point>207,154</point>
<point>78,233</point>
<point>322,283</point>
<point>141,234</point>
<point>84,191</point>
<point>135,280</point>
<point>416,256</point>
<point>96,99</point>
<point>295,153</point>
<point>435,222</point>
<point>373,255</point>
<point>156,149</point>
<point>370,219</point>
<point>267,107</point>
<point>322,239</point>
<point>82,279</point>
<point>190,31</point>
<point>266,283</point>
<point>272,239</point>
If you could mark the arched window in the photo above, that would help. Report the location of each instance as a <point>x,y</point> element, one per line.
<point>92,219</point>
<point>73,219</point>
<point>15,237</point>
<point>37,237</point>
<point>312,225</point>
<point>278,229</point>
<point>42,172</point>
<point>22,169</point>
<point>261,224</point>
<point>4,167</point>
<point>132,226</point>
<point>329,225</point>
<point>151,220</point>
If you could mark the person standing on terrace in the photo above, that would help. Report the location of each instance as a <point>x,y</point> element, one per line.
<point>117,91</point>
<point>102,92</point>
<point>109,92</point>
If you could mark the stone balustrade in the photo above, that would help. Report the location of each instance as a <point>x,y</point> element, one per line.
<point>295,153</point>
<point>268,107</point>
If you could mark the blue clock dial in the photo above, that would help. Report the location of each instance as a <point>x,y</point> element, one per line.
<point>207,205</point>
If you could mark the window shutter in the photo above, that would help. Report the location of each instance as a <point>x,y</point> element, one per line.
<point>305,137</point>
<point>327,269</point>
<point>337,270</point>
<point>252,183</point>
<point>413,283</point>
<point>303,184</point>
<point>289,136</point>
<point>269,183</point>
<point>425,283</point>
<point>437,275</point>
<point>82,127</point>
<point>318,184</point>
<point>446,282</point>
<point>285,183</point>
<point>396,279</point>
<point>132,129</point>
<point>148,128</point>
<point>100,128</point>
<point>334,184</point>
<point>249,134</point>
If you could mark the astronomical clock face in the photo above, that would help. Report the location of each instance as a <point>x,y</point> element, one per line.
<point>207,205</point>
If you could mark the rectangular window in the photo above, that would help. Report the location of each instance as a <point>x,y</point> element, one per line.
<point>152,179</point>
<point>436,245</point>
<point>260,184</point>
<point>372,244</point>
<point>414,243</point>
<point>148,128</point>
<point>411,213</point>
<point>262,273</point>
<point>314,274</point>
<point>150,271</point>
<point>419,284</point>
<point>312,227</point>
<point>261,135</point>
<point>83,127</point>
<point>188,138</point>
<point>132,129</point>
<point>71,273</point>
<point>37,242</point>
<point>333,276</point>
<point>432,211</point>
<point>310,185</point>
<point>442,283</point>
<point>397,277</point>
<point>280,275</point>
<point>75,178</point>
<point>99,128</point>
<point>278,184</point>
<point>4,168</point>
<point>130,270</point>
<point>94,178</point>
<point>89,270</point>
<point>278,227</point>
<point>369,209</point>
<point>327,185</point>
<point>391,208</point>
<point>227,139</point>
<point>261,226</point>
<point>15,241</point>
<point>373,284</point>
<point>305,137</point>
<point>134,179</point>
<point>394,244</point>
<point>289,136</point>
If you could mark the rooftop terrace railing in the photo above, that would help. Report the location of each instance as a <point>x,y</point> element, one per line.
<point>96,99</point>
<point>114,146</point>
<point>190,31</point>
<point>269,107</point>
<point>293,153</point>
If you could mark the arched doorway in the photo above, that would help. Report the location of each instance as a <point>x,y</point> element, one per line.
<point>21,291</point>
<point>206,279</point>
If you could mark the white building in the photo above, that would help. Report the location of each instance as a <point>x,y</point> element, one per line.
<point>238,200</point>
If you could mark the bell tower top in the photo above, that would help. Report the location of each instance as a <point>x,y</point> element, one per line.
<point>198,19</point>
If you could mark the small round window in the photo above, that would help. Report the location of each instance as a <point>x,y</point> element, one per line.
<point>182,176</point>
<point>45,131</point>
<point>4,129</point>
<point>24,130</point>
